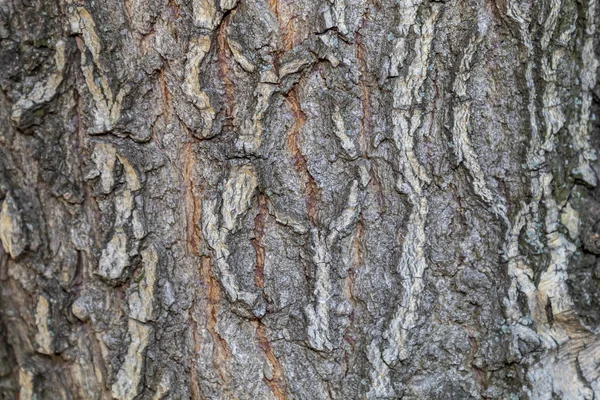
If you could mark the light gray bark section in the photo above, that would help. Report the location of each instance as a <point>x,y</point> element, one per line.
<point>269,199</point>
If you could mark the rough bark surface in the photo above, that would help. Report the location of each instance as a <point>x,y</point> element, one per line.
<point>299,199</point>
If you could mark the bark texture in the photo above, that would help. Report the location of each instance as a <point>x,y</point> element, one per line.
<point>299,199</point>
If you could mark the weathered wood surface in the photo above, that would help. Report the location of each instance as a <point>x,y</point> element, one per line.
<point>299,199</point>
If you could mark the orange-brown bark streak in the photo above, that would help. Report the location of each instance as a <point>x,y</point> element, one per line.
<point>259,231</point>
<point>221,352</point>
<point>357,261</point>
<point>285,17</point>
<point>191,201</point>
<point>165,94</point>
<point>311,188</point>
<point>362,139</point>
<point>277,383</point>
<point>194,386</point>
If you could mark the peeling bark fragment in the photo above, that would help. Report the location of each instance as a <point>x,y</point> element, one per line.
<point>349,216</point>
<point>164,387</point>
<point>553,281</point>
<point>570,219</point>
<point>407,10</point>
<point>380,375</point>
<point>466,154</point>
<point>129,217</point>
<point>407,91</point>
<point>556,327</point>
<point>412,263</point>
<point>25,384</point>
<point>131,177</point>
<point>411,267</point>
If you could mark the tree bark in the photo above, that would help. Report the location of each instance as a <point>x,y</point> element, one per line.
<point>299,199</point>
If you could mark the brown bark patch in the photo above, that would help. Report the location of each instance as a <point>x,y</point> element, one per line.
<point>221,351</point>
<point>259,232</point>
<point>311,188</point>
<point>276,383</point>
<point>193,208</point>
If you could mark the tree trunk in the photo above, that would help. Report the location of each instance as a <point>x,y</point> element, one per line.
<point>299,199</point>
